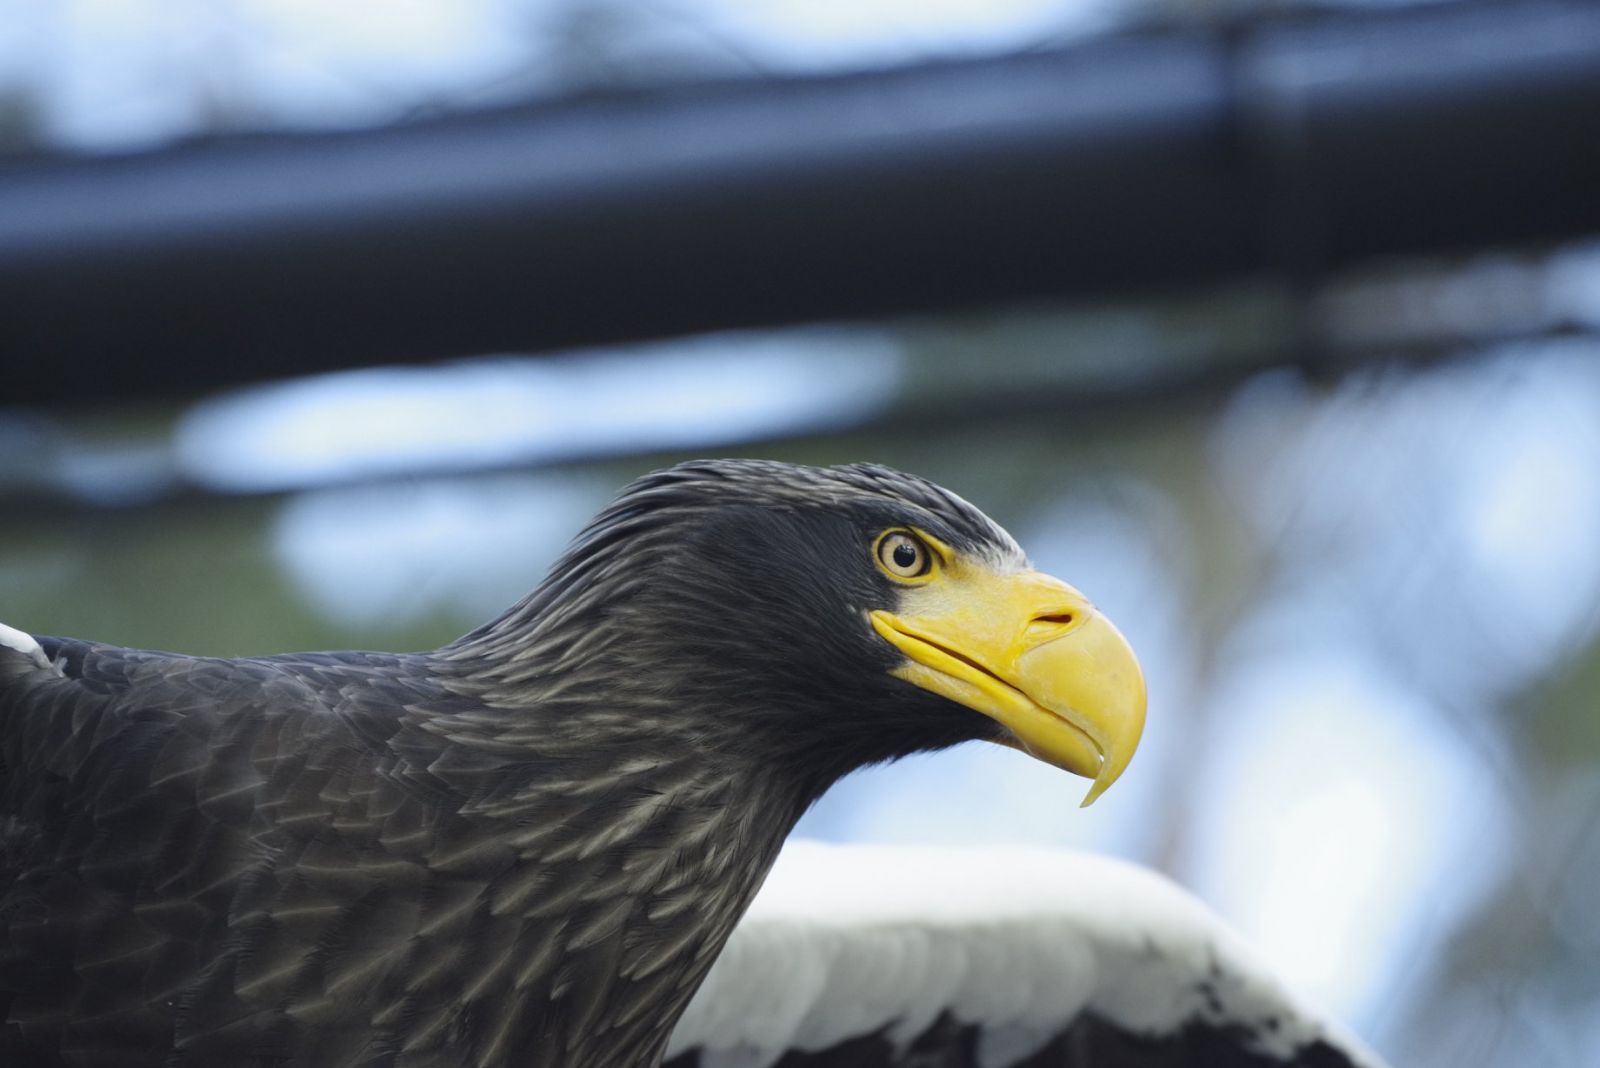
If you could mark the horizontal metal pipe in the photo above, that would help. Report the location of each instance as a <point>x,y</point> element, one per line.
<point>1127,163</point>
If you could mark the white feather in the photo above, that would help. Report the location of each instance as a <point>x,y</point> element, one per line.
<point>845,941</point>
<point>18,641</point>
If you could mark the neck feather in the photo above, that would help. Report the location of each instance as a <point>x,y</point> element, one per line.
<point>629,837</point>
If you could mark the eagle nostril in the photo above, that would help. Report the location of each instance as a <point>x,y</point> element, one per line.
<point>1065,619</point>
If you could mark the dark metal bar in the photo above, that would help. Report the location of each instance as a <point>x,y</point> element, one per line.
<point>1132,162</point>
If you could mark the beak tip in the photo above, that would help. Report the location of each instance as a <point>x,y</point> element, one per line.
<point>1096,788</point>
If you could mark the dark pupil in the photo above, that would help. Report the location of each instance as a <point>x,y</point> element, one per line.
<point>904,555</point>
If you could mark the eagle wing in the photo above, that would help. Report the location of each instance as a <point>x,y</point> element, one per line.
<point>189,847</point>
<point>867,956</point>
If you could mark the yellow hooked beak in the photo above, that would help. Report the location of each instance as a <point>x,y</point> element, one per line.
<point>1030,652</point>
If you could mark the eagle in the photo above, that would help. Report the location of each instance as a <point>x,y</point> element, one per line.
<point>529,846</point>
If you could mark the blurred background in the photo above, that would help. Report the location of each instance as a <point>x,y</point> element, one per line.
<point>1316,421</point>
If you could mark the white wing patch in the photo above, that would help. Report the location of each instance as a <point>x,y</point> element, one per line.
<point>20,642</point>
<point>846,941</point>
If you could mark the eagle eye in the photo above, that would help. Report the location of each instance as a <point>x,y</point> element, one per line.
<point>903,556</point>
